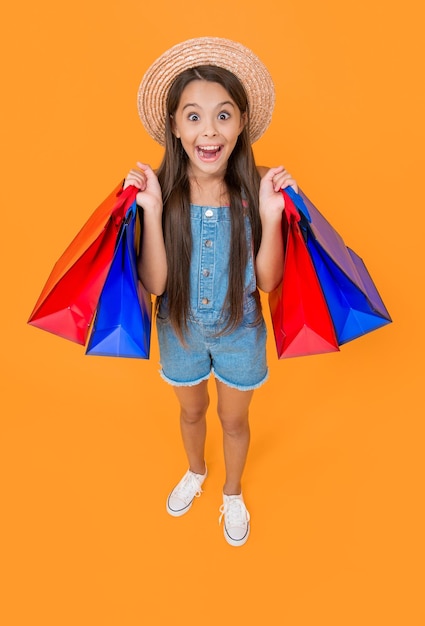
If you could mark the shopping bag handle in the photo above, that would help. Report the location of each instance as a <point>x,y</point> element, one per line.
<point>126,197</point>
<point>297,205</point>
<point>290,210</point>
<point>129,193</point>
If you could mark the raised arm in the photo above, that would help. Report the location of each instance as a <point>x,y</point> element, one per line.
<point>269,261</point>
<point>152,262</point>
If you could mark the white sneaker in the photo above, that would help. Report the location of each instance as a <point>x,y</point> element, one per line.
<point>236,520</point>
<point>182,496</point>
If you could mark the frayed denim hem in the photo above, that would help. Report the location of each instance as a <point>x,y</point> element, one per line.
<point>183,384</point>
<point>241,387</point>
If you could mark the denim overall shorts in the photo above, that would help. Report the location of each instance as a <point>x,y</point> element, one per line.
<point>236,358</point>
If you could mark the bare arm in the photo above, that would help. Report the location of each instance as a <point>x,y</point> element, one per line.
<point>269,261</point>
<point>152,261</point>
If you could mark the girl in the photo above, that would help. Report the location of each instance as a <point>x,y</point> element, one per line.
<point>211,237</point>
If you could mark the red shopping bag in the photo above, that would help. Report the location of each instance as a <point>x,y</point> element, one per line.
<point>69,298</point>
<point>301,321</point>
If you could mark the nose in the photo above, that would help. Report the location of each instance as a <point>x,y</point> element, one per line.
<point>209,128</point>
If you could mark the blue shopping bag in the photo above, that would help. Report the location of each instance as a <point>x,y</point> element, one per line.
<point>122,325</point>
<point>354,303</point>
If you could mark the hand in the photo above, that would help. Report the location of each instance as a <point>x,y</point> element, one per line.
<point>272,202</point>
<point>150,195</point>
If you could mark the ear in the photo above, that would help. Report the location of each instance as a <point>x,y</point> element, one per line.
<point>174,128</point>
<point>244,121</point>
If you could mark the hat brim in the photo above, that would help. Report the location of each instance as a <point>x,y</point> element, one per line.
<point>230,55</point>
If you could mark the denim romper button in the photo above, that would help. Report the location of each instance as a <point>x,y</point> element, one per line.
<point>205,300</point>
<point>209,213</point>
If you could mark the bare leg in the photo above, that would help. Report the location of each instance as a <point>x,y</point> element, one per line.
<point>233,409</point>
<point>194,403</point>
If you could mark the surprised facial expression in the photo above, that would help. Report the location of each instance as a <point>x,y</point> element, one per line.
<point>208,123</point>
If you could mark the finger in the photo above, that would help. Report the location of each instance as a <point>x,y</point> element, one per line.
<point>137,173</point>
<point>150,175</point>
<point>134,183</point>
<point>278,176</point>
<point>281,182</point>
<point>136,178</point>
<point>290,183</point>
<point>146,169</point>
<point>272,173</point>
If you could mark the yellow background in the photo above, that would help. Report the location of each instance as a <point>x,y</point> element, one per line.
<point>90,447</point>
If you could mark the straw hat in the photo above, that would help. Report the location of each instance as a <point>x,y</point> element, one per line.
<point>232,56</point>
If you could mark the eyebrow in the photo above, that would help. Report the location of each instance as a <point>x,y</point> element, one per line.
<point>219,105</point>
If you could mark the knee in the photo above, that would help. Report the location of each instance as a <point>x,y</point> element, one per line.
<point>194,413</point>
<point>234,425</point>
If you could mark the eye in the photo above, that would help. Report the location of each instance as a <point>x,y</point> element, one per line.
<point>193,117</point>
<point>223,115</point>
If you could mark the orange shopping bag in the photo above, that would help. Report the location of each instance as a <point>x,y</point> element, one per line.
<point>69,298</point>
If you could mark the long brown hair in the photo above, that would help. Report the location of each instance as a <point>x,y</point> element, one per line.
<point>241,177</point>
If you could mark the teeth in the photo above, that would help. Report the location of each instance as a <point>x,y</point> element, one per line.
<point>209,148</point>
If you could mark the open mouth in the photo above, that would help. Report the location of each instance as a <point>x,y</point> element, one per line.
<point>208,153</point>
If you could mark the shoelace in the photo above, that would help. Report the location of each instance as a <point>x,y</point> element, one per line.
<point>235,513</point>
<point>187,488</point>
